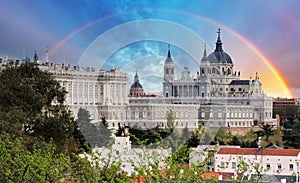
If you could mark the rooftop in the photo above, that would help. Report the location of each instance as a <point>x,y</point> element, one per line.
<point>256,151</point>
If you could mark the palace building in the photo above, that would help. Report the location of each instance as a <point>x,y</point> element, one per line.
<point>216,97</point>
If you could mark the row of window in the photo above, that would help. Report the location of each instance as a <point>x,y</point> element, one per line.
<point>229,115</point>
<point>158,114</point>
<point>268,166</point>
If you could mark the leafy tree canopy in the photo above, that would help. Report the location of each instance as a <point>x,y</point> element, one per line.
<point>93,134</point>
<point>32,104</point>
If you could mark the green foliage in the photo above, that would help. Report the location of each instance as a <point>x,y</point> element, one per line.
<point>290,111</point>
<point>249,139</point>
<point>170,121</point>
<point>268,135</point>
<point>45,165</point>
<point>267,130</point>
<point>196,137</point>
<point>94,134</point>
<point>32,104</point>
<point>181,155</point>
<point>223,137</point>
<point>291,138</point>
<point>20,165</point>
<point>170,172</point>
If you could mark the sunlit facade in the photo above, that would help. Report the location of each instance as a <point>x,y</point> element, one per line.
<point>216,97</point>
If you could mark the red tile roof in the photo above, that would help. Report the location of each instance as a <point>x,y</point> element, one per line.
<point>256,151</point>
<point>210,175</point>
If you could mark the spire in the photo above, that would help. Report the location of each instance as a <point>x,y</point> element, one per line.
<point>169,52</point>
<point>204,53</point>
<point>219,42</point>
<point>136,77</point>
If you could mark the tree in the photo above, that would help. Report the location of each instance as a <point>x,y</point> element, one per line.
<point>267,130</point>
<point>291,138</point>
<point>196,137</point>
<point>32,104</point>
<point>95,134</point>
<point>235,141</point>
<point>206,139</point>
<point>18,164</point>
<point>223,137</point>
<point>170,121</point>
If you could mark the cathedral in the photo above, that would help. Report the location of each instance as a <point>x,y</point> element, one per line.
<point>223,98</point>
<point>216,97</point>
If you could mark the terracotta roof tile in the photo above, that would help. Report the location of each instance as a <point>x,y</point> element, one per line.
<point>256,151</point>
<point>210,175</point>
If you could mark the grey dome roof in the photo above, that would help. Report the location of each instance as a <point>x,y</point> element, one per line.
<point>219,56</point>
<point>136,85</point>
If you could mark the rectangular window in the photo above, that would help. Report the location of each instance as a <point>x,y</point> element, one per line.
<point>128,114</point>
<point>233,165</point>
<point>219,115</point>
<point>279,166</point>
<point>291,167</point>
<point>268,166</point>
<point>222,165</point>
<point>144,114</point>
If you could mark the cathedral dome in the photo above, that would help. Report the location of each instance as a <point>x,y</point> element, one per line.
<point>219,56</point>
<point>136,89</point>
<point>136,85</point>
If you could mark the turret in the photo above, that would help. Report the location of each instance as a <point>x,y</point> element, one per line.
<point>169,67</point>
<point>204,64</point>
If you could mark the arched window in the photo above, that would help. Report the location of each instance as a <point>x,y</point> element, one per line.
<point>202,71</point>
<point>229,71</point>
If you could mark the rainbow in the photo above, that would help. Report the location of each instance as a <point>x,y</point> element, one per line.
<point>251,45</point>
<point>268,62</point>
<point>77,30</point>
<point>255,49</point>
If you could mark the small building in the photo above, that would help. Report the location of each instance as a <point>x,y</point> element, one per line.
<point>257,161</point>
<point>204,155</point>
<point>122,151</point>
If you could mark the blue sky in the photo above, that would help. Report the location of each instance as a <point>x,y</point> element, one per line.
<point>71,27</point>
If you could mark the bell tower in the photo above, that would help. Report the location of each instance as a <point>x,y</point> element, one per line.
<point>168,75</point>
<point>169,67</point>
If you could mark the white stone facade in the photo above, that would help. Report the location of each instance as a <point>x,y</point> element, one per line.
<point>266,161</point>
<point>216,97</point>
<point>223,98</point>
<point>121,151</point>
